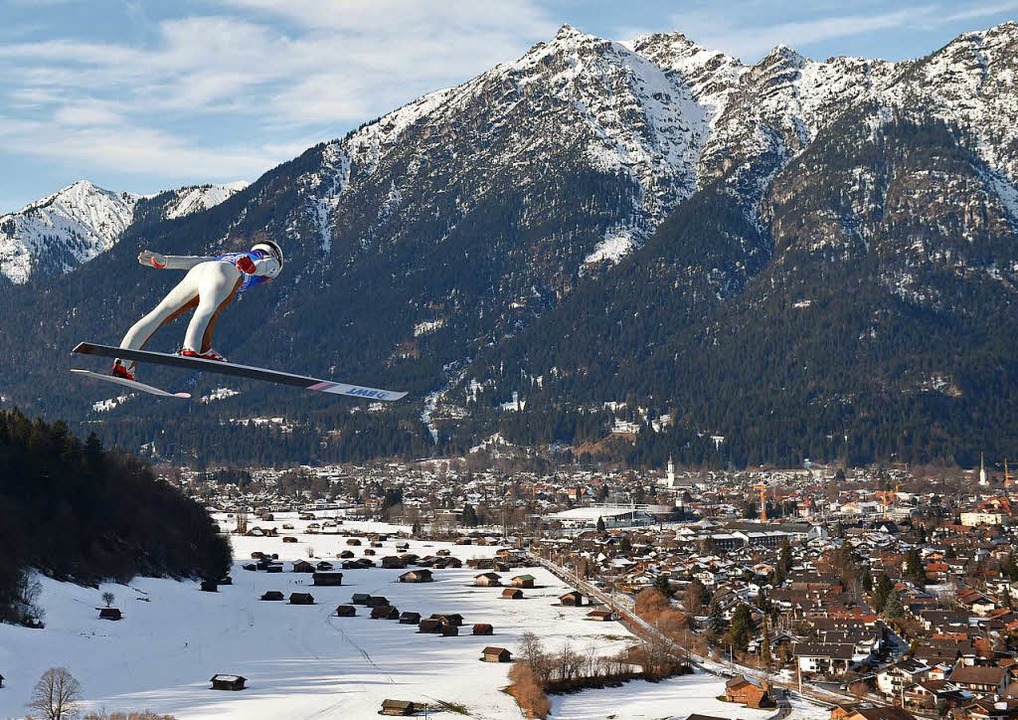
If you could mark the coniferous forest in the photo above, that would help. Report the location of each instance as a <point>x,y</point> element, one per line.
<point>72,510</point>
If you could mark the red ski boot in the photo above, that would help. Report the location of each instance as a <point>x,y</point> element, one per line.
<point>121,371</point>
<point>209,354</point>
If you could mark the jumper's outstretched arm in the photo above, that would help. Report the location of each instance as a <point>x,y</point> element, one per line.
<point>170,262</point>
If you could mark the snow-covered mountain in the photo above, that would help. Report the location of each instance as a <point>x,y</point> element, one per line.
<point>600,220</point>
<point>55,235</point>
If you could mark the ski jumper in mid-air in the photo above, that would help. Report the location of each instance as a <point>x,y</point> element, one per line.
<point>210,285</point>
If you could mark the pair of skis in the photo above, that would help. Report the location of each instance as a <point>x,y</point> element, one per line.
<point>223,368</point>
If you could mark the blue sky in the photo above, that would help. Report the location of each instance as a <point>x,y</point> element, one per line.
<point>146,95</point>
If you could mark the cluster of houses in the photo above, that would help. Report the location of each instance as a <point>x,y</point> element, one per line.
<point>623,530</point>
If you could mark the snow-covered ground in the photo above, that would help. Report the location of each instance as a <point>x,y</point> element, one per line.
<point>673,698</point>
<point>300,661</point>
<point>303,661</point>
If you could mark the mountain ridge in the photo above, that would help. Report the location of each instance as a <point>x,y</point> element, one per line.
<point>616,225</point>
<point>56,234</point>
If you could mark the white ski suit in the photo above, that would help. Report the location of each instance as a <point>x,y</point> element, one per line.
<point>210,285</point>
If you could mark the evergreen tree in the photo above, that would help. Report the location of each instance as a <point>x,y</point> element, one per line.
<point>882,589</point>
<point>662,585</point>
<point>914,570</point>
<point>1009,568</point>
<point>715,621</point>
<point>469,516</point>
<point>893,607</point>
<point>600,524</point>
<point>742,628</point>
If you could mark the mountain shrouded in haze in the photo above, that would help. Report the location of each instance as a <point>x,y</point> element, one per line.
<point>752,263</point>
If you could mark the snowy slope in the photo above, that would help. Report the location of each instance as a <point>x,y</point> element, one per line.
<point>54,235</point>
<point>668,114</point>
<point>63,230</point>
<point>629,115</point>
<point>189,200</point>
<point>301,662</point>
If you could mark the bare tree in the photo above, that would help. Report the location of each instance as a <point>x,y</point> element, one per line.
<point>57,695</point>
<point>108,598</point>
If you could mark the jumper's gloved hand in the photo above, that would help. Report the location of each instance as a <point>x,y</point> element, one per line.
<point>156,260</point>
<point>246,265</point>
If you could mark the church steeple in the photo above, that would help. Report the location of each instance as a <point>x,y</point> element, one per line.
<point>982,472</point>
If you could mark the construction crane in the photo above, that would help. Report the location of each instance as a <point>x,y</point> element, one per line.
<point>762,487</point>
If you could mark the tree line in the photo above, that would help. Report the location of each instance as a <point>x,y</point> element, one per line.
<point>75,511</point>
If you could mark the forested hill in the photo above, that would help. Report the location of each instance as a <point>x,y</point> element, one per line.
<point>72,510</point>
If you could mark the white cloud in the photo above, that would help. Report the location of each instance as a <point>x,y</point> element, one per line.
<point>137,151</point>
<point>763,25</point>
<point>749,42</point>
<point>279,70</point>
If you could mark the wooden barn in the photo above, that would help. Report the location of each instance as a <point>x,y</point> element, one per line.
<point>302,566</point>
<point>360,598</point>
<point>302,599</point>
<point>488,579</point>
<point>289,539</point>
<point>393,562</point>
<point>327,578</point>
<point>110,613</point>
<point>573,598</point>
<point>346,610</point>
<point>419,575</point>
<point>376,600</point>
<point>450,630</point>
<point>483,629</point>
<point>601,615</point>
<point>751,693</point>
<point>409,618</point>
<point>430,625</point>
<point>384,612</point>
<point>450,618</point>
<point>228,682</point>
<point>512,594</point>
<point>399,708</point>
<point>523,581</point>
<point>275,595</point>
<point>496,654</point>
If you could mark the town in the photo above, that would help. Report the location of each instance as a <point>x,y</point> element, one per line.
<point>882,592</point>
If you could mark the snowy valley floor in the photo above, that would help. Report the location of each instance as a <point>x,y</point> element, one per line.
<point>303,662</point>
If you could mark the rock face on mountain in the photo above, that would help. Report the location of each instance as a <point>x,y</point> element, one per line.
<point>57,234</point>
<point>751,263</point>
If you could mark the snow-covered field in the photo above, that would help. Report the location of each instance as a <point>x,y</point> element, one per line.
<point>300,661</point>
<point>303,661</point>
<point>673,698</point>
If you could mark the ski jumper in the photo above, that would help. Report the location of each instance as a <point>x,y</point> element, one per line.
<point>209,286</point>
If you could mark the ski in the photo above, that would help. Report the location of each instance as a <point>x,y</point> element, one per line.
<point>247,371</point>
<point>133,384</point>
